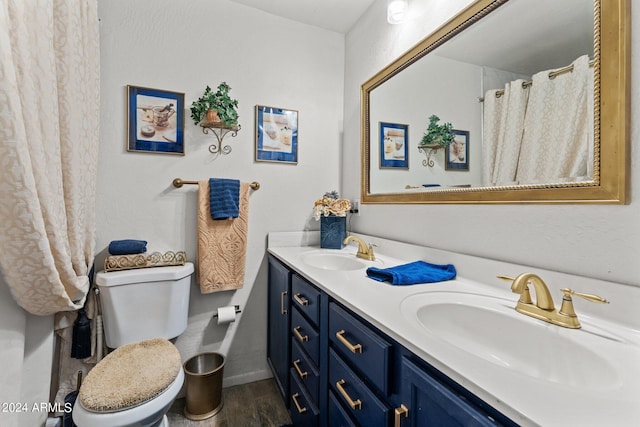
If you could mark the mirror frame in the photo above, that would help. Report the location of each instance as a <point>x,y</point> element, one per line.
<point>612,50</point>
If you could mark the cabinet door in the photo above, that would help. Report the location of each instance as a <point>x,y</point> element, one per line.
<point>431,403</point>
<point>278,341</point>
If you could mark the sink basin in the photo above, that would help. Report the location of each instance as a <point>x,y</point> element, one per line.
<point>336,261</point>
<point>490,329</point>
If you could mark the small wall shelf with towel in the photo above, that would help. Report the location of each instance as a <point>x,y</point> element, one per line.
<point>178,182</point>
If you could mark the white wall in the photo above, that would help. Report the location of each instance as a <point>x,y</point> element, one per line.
<point>597,241</point>
<point>416,99</point>
<point>184,46</point>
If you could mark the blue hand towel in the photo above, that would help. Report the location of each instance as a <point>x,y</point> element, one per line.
<point>127,246</point>
<point>224,198</point>
<point>413,273</point>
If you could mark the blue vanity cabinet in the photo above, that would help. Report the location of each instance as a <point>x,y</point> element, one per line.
<point>278,324</point>
<point>308,400</point>
<point>429,401</point>
<point>342,371</point>
<point>304,411</point>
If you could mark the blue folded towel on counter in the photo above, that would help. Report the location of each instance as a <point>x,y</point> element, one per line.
<point>413,273</point>
<point>127,247</point>
<point>224,198</point>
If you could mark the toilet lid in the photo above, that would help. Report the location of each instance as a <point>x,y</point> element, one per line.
<point>130,375</point>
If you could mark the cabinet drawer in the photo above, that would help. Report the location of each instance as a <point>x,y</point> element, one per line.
<point>303,412</point>
<point>305,370</point>
<point>354,395</point>
<point>338,417</point>
<point>304,334</point>
<point>361,347</point>
<point>306,298</point>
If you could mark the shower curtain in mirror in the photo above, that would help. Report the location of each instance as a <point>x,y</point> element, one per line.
<point>558,140</point>
<point>503,127</point>
<point>49,131</point>
<point>556,130</point>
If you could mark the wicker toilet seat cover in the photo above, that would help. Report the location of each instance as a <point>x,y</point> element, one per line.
<point>130,375</point>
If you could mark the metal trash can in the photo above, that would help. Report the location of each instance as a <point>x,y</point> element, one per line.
<point>203,375</point>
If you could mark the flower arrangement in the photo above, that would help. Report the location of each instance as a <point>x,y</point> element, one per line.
<point>331,204</point>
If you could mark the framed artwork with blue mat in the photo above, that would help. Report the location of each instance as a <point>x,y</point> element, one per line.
<point>155,120</point>
<point>394,142</point>
<point>276,135</point>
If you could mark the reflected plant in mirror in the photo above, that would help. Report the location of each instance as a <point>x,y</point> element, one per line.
<point>565,138</point>
<point>440,135</point>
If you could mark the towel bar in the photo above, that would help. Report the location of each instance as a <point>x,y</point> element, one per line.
<point>178,182</point>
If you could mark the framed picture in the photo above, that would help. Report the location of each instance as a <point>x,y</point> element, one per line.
<point>155,120</point>
<point>456,155</point>
<point>276,135</point>
<point>394,146</point>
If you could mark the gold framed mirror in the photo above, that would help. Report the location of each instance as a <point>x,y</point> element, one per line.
<point>406,93</point>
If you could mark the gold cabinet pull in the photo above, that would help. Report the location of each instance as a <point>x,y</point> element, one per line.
<point>402,411</point>
<point>353,348</point>
<point>282,296</point>
<point>300,373</point>
<point>301,337</point>
<point>294,397</point>
<point>300,300</point>
<point>355,404</point>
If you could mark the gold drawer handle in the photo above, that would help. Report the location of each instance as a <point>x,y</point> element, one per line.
<point>282,309</point>
<point>295,400</point>
<point>353,348</point>
<point>402,411</point>
<point>300,300</point>
<point>355,404</point>
<point>300,373</point>
<point>301,337</point>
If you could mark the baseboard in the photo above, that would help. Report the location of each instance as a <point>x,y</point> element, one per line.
<point>245,378</point>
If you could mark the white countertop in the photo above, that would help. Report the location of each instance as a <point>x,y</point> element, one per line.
<point>520,396</point>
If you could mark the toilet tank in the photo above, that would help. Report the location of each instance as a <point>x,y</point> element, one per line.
<point>144,303</point>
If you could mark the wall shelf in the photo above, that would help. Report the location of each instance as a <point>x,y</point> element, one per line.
<point>429,150</point>
<point>220,130</point>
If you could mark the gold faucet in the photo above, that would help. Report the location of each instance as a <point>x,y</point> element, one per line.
<point>364,251</point>
<point>544,308</point>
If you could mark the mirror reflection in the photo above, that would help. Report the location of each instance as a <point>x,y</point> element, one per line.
<point>517,88</point>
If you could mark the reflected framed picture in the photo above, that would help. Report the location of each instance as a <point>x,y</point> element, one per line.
<point>456,155</point>
<point>155,120</point>
<point>276,135</point>
<point>394,146</point>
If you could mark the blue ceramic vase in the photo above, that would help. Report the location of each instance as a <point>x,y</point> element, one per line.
<point>333,231</point>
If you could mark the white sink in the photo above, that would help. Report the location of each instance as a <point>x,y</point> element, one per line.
<point>489,328</point>
<point>337,261</point>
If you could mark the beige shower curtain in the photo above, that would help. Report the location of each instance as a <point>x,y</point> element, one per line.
<point>49,118</point>
<point>502,129</point>
<point>542,133</point>
<point>557,145</point>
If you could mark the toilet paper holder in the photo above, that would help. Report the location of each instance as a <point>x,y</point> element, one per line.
<point>237,307</point>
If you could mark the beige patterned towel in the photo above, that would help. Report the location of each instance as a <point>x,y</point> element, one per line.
<point>222,244</point>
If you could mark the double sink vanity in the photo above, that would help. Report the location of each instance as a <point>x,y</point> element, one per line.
<point>349,350</point>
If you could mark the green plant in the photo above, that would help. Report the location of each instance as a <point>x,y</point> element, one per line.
<point>219,101</point>
<point>440,134</point>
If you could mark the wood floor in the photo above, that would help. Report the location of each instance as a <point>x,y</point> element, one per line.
<point>256,404</point>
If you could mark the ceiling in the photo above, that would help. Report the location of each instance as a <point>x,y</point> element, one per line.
<point>333,15</point>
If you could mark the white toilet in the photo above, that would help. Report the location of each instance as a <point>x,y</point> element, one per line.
<point>138,307</point>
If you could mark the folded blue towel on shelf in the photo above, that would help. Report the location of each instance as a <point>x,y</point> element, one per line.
<point>224,198</point>
<point>413,273</point>
<point>127,247</point>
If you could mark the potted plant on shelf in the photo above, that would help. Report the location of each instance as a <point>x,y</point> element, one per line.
<point>437,135</point>
<point>215,107</point>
